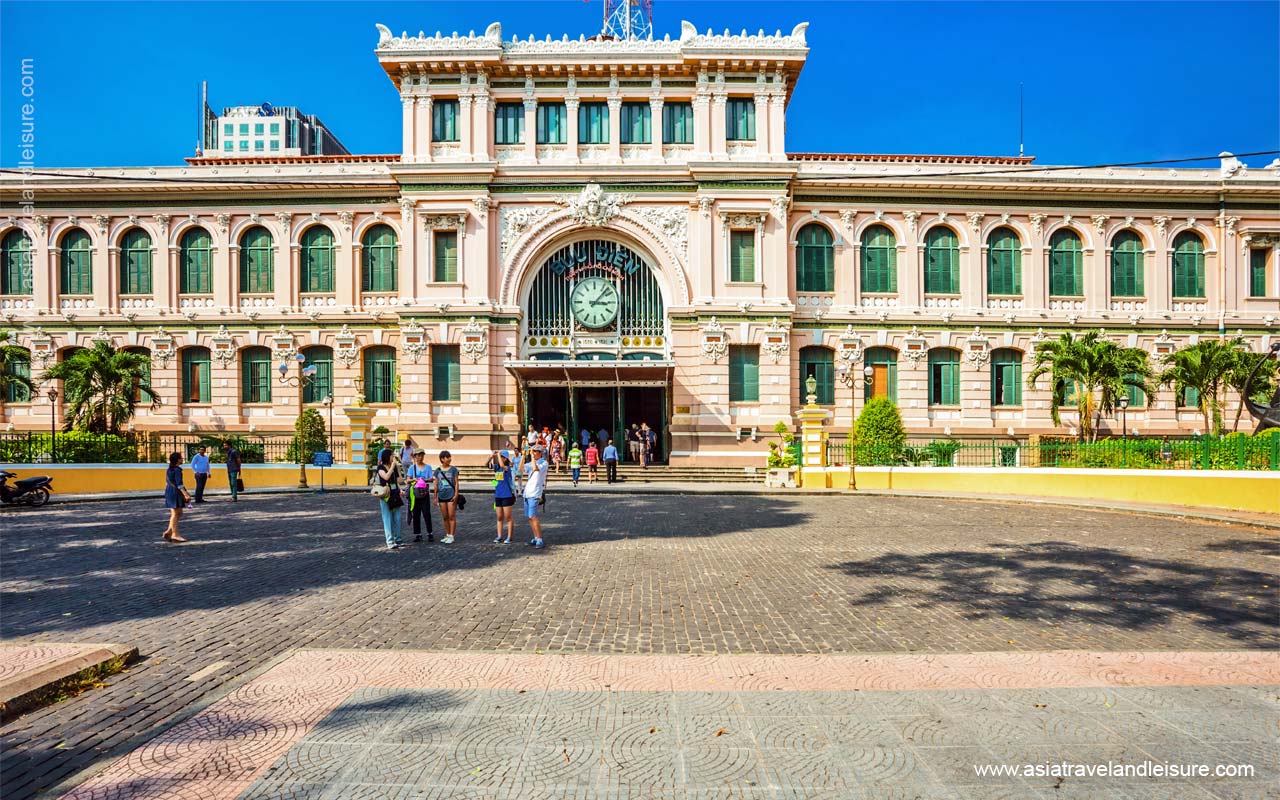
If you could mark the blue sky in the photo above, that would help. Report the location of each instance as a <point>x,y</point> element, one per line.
<point>116,83</point>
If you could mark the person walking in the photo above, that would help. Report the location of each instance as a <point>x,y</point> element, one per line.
<point>504,493</point>
<point>602,437</point>
<point>200,467</point>
<point>575,463</point>
<point>389,503</point>
<point>645,455</point>
<point>418,480</point>
<point>406,454</point>
<point>633,443</point>
<point>584,436</point>
<point>233,470</point>
<point>447,495</point>
<point>556,449</point>
<point>593,462</point>
<point>651,445</point>
<point>611,462</point>
<point>531,438</point>
<point>175,497</point>
<point>534,487</point>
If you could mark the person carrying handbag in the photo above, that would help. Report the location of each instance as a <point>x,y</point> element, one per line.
<point>447,495</point>
<point>387,490</point>
<point>175,497</point>
<point>418,480</point>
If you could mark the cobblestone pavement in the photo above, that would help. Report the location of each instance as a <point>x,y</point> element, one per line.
<point>678,575</point>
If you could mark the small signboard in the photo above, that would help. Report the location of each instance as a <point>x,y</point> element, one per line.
<point>322,459</point>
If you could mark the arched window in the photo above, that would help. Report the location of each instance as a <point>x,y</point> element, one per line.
<point>15,271</point>
<point>1126,265</point>
<point>196,253</point>
<point>317,260</point>
<point>135,262</point>
<point>941,262</point>
<point>1188,265</point>
<point>378,259</point>
<point>1004,262</point>
<point>146,373</point>
<point>196,366</point>
<point>18,364</point>
<point>321,357</point>
<point>76,274</point>
<point>1137,397</point>
<point>884,373</point>
<point>1066,264</point>
<point>815,260</point>
<point>879,260</point>
<point>257,262</point>
<point>1006,377</point>
<point>944,377</point>
<point>820,363</point>
<point>255,375</point>
<point>380,374</point>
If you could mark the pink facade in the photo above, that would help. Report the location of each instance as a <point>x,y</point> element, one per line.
<point>684,173</point>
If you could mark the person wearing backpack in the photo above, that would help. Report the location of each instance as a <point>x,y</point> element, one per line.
<point>504,493</point>
<point>418,480</point>
<point>387,490</point>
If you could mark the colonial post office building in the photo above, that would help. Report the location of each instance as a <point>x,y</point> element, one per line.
<point>598,232</point>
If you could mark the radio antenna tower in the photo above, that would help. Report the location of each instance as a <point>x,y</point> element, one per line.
<point>628,19</point>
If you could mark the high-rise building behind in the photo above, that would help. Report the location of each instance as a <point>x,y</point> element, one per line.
<point>266,130</point>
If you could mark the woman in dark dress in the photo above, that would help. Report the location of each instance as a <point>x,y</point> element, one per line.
<point>175,497</point>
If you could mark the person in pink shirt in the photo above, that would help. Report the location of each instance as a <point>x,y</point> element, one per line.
<point>593,460</point>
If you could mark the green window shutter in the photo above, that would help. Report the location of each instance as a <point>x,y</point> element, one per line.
<point>677,123</point>
<point>593,123</point>
<point>1066,265</point>
<point>1188,265</point>
<point>744,373</point>
<point>551,123</point>
<point>379,374</point>
<point>740,119</point>
<point>1126,265</point>
<point>944,377</point>
<point>508,123</point>
<point>19,365</point>
<point>1006,378</point>
<point>77,263</point>
<point>888,358</point>
<point>255,382</point>
<point>742,256</point>
<point>196,253</point>
<point>16,275</point>
<point>942,262</point>
<point>446,373</point>
<point>820,363</point>
<point>257,262</point>
<point>1004,263</point>
<point>1190,398</point>
<point>321,358</point>
<point>1257,273</point>
<point>135,263</point>
<point>636,123</point>
<point>444,121</point>
<point>317,259</point>
<point>1137,397</point>
<point>195,375</point>
<point>815,260</point>
<point>379,260</point>
<point>445,250</point>
<point>879,260</point>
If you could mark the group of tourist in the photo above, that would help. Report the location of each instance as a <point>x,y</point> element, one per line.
<point>593,450</point>
<point>176,497</point>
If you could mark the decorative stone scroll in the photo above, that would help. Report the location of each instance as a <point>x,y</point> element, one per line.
<point>715,341</point>
<point>914,346</point>
<point>475,340</point>
<point>224,346</point>
<point>413,340</point>
<point>283,347</point>
<point>978,349</point>
<point>850,354</point>
<point>346,349</point>
<point>437,222</point>
<point>1163,345</point>
<point>775,341</point>
<point>593,206</point>
<point>162,348</point>
<point>41,347</point>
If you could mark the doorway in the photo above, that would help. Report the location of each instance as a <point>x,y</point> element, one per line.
<point>645,405</point>
<point>547,407</point>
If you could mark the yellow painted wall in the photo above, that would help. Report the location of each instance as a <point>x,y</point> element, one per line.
<point>149,478</point>
<point>1240,491</point>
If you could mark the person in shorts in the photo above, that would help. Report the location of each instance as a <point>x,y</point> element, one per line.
<point>504,493</point>
<point>535,485</point>
<point>593,461</point>
<point>575,463</point>
<point>447,495</point>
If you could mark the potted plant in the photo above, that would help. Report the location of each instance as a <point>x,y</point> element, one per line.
<point>782,461</point>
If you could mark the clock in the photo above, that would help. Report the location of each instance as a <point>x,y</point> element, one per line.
<point>594,302</point>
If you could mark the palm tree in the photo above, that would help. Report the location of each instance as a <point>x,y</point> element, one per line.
<point>1204,367</point>
<point>15,366</point>
<point>103,387</point>
<point>1263,384</point>
<point>1091,371</point>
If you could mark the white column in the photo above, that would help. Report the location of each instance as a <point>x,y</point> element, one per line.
<point>615,129</point>
<point>701,127</point>
<point>407,129</point>
<point>464,131</point>
<point>422,129</point>
<point>655,118</point>
<point>571,111</point>
<point>777,126</point>
<point>762,126</point>
<point>718,144</point>
<point>530,129</point>
<point>408,274</point>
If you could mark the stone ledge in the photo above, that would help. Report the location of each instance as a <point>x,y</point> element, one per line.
<point>27,671</point>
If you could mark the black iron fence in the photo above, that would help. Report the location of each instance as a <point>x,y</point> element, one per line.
<point>76,447</point>
<point>1233,451</point>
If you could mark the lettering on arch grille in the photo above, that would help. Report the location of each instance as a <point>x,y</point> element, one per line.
<point>554,330</point>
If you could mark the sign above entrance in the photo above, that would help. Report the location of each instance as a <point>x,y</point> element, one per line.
<point>601,255</point>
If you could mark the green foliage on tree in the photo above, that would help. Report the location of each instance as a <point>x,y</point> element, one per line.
<point>878,434</point>
<point>381,441</point>
<point>1204,367</point>
<point>781,455</point>
<point>15,367</point>
<point>1091,373</point>
<point>309,437</point>
<point>103,387</point>
<point>1260,388</point>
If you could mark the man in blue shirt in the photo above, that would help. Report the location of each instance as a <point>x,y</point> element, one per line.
<point>610,456</point>
<point>200,466</point>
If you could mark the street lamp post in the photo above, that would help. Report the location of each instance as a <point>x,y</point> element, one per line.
<point>328,403</point>
<point>1123,402</point>
<point>52,394</point>
<point>304,378</point>
<point>868,376</point>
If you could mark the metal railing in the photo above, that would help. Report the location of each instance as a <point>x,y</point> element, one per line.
<point>75,447</point>
<point>1237,451</point>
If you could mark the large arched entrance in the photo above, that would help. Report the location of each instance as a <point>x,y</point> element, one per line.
<point>595,345</point>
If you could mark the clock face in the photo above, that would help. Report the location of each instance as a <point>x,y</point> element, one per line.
<point>594,302</point>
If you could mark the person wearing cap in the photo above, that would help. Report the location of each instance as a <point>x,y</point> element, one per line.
<point>575,463</point>
<point>534,488</point>
<point>447,495</point>
<point>418,480</point>
<point>504,493</point>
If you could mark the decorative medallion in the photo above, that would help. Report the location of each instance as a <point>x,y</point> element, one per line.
<point>978,350</point>
<point>346,218</point>
<point>224,347</point>
<point>673,222</point>
<point>775,341</point>
<point>41,347</point>
<point>850,354</point>
<point>594,206</point>
<point>102,221</point>
<point>346,350</point>
<point>715,341</point>
<point>1037,223</point>
<point>915,346</point>
<point>162,222</point>
<point>475,340</point>
<point>413,340</point>
<point>975,221</point>
<point>101,335</point>
<point>283,348</point>
<point>161,348</point>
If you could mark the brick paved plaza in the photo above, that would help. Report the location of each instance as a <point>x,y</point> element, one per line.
<point>672,576</point>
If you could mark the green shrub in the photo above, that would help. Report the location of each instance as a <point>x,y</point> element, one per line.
<point>309,437</point>
<point>72,447</point>
<point>781,455</point>
<point>879,434</point>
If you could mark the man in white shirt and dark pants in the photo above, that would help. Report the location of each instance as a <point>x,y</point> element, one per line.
<point>536,468</point>
<point>200,466</point>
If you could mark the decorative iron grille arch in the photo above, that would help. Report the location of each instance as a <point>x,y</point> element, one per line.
<point>640,328</point>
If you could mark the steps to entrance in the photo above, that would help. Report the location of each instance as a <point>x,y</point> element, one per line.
<point>633,474</point>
